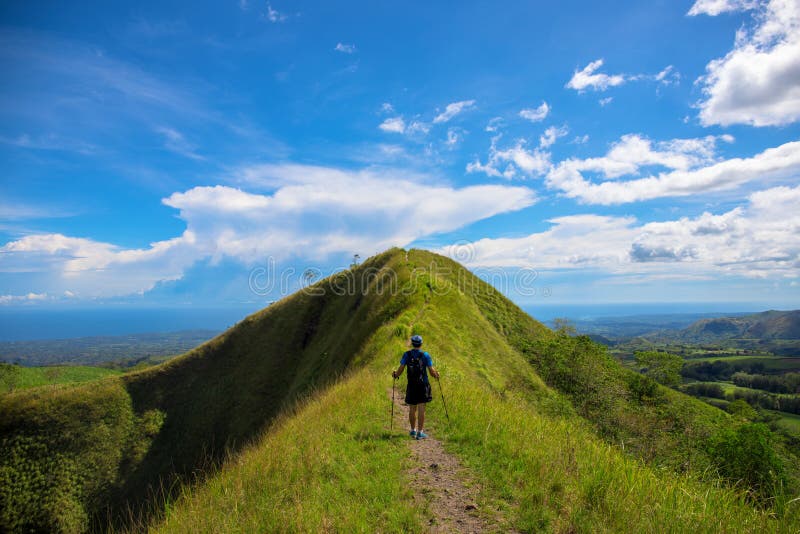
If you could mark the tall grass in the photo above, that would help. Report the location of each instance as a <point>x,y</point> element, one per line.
<point>558,477</point>
<point>329,465</point>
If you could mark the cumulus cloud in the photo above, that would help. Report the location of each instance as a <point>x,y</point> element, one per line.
<point>668,76</point>
<point>273,15</point>
<point>535,114</point>
<point>454,137</point>
<point>589,78</point>
<point>692,168</point>
<point>494,124</point>
<point>452,110</point>
<point>310,212</point>
<point>345,48</point>
<point>508,162</point>
<point>393,125</point>
<point>760,239</point>
<point>551,135</point>
<point>758,81</point>
<point>715,7</point>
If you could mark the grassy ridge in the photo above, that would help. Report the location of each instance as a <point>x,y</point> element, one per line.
<point>168,422</point>
<point>539,462</point>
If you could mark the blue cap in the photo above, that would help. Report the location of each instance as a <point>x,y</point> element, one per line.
<point>416,341</point>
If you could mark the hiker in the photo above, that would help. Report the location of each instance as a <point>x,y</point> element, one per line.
<point>418,391</point>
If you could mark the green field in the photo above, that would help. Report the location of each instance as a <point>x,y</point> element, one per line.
<point>790,422</point>
<point>771,363</point>
<point>18,377</point>
<point>730,387</point>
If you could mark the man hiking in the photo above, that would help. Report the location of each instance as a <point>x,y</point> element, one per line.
<point>418,391</point>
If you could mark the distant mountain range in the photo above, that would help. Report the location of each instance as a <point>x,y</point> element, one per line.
<point>694,328</point>
<point>769,325</point>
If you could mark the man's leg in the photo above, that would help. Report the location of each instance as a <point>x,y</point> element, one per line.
<point>412,416</point>
<point>421,410</point>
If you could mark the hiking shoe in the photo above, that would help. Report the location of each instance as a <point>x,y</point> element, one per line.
<point>413,433</point>
<point>421,435</point>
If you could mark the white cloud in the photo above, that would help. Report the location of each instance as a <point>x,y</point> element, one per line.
<point>174,141</point>
<point>452,110</point>
<point>394,125</point>
<point>760,239</point>
<point>30,297</point>
<point>605,101</point>
<point>692,168</point>
<point>494,124</point>
<point>453,138</point>
<point>588,78</point>
<point>417,127</point>
<point>537,114</point>
<point>49,142</point>
<point>345,48</point>
<point>551,135</point>
<point>515,158</point>
<point>715,7</point>
<point>273,15</point>
<point>668,76</point>
<point>386,107</point>
<point>758,81</point>
<point>581,139</point>
<point>311,212</point>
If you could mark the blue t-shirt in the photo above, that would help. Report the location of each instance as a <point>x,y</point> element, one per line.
<point>426,358</point>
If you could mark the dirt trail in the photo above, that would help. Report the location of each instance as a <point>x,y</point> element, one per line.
<point>444,486</point>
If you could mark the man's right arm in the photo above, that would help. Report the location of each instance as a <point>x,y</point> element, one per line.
<point>398,372</point>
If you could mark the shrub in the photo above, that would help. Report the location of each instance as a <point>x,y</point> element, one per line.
<point>740,408</point>
<point>642,388</point>
<point>746,455</point>
<point>662,367</point>
<point>703,389</point>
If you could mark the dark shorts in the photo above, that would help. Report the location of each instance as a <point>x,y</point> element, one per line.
<point>418,393</point>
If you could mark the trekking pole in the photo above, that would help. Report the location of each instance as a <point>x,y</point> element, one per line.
<point>391,421</point>
<point>443,402</point>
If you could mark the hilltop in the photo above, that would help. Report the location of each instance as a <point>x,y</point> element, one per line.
<point>281,423</point>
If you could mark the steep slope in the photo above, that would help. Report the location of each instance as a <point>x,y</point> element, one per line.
<point>557,454</point>
<point>541,467</point>
<point>74,455</point>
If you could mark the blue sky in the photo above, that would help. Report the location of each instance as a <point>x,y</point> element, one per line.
<point>160,152</point>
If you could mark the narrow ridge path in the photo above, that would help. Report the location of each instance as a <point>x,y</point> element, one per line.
<point>441,483</point>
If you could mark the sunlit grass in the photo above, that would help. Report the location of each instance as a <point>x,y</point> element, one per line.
<point>30,377</point>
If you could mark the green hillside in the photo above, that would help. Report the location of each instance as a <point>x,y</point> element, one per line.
<point>281,424</point>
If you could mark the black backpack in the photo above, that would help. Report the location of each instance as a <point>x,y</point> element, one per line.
<point>416,368</point>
